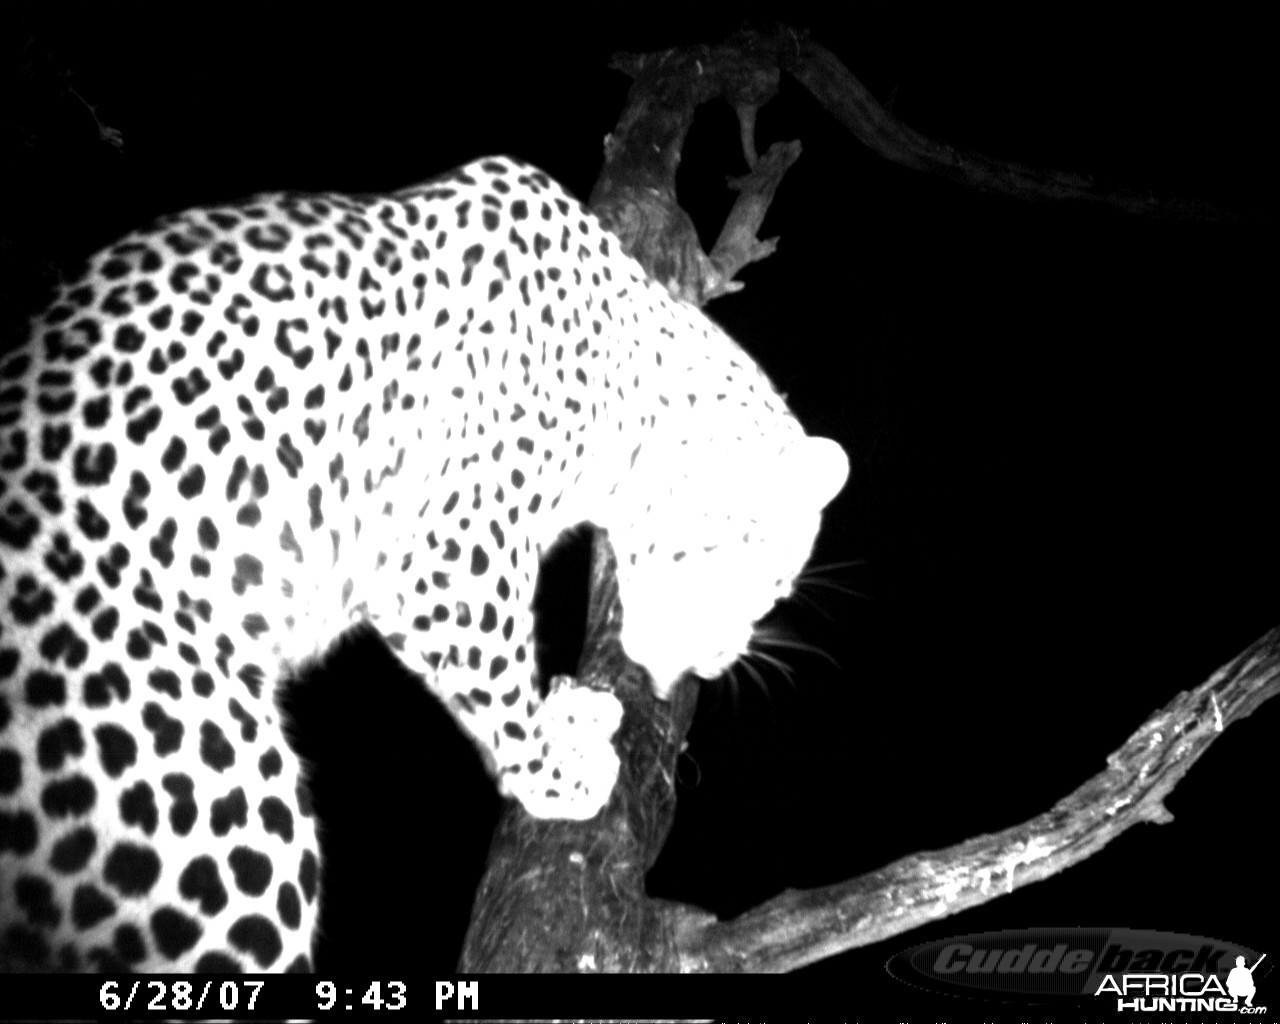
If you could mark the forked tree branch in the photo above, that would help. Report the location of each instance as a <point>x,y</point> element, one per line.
<point>569,896</point>
<point>635,195</point>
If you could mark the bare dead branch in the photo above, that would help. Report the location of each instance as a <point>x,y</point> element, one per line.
<point>800,927</point>
<point>851,103</point>
<point>635,194</point>
<point>739,244</point>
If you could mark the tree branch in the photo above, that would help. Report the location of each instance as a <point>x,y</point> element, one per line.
<point>569,896</point>
<point>801,927</point>
<point>635,195</point>
<point>851,103</point>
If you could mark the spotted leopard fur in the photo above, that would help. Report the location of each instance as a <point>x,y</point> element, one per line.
<point>250,427</point>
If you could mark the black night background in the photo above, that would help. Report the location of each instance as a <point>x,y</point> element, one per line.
<point>1061,425</point>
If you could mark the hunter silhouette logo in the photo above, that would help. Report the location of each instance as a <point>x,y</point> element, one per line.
<point>1185,990</point>
<point>1240,980</point>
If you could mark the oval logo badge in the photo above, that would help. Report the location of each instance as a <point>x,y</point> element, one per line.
<point>1119,969</point>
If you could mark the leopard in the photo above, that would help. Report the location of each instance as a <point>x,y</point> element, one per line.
<point>245,431</point>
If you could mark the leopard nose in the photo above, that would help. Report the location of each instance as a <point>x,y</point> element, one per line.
<point>832,466</point>
<point>816,470</point>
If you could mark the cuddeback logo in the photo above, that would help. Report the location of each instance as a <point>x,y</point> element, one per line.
<point>1127,970</point>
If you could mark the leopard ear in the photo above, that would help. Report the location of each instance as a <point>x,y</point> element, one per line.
<point>814,470</point>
